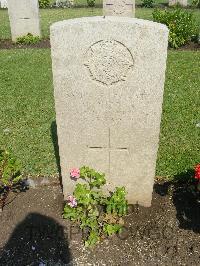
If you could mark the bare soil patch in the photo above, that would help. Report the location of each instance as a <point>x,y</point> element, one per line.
<point>168,233</point>
<point>45,43</point>
<point>8,44</point>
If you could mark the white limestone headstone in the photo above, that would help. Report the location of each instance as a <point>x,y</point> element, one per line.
<point>24,17</point>
<point>3,4</point>
<point>109,79</point>
<point>64,3</point>
<point>121,8</point>
<point>178,2</point>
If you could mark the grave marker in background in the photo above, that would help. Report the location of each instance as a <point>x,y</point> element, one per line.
<point>176,2</point>
<point>24,17</point>
<point>108,83</point>
<point>120,8</point>
<point>3,4</point>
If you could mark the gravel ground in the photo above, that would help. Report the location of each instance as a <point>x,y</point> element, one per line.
<point>33,232</point>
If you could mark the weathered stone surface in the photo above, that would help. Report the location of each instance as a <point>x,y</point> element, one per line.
<point>24,17</point>
<point>98,61</point>
<point>176,2</point>
<point>3,3</point>
<point>120,8</point>
<point>109,79</point>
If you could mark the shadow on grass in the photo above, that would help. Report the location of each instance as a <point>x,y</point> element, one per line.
<point>37,240</point>
<point>186,199</point>
<point>54,138</point>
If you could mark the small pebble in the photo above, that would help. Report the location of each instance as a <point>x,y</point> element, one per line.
<point>45,181</point>
<point>30,183</point>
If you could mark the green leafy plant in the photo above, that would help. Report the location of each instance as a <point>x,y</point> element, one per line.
<point>147,3</point>
<point>44,3</point>
<point>91,3</point>
<point>10,175</point>
<point>181,23</point>
<point>97,214</point>
<point>117,202</point>
<point>28,39</point>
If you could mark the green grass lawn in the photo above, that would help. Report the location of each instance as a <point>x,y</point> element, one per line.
<point>27,106</point>
<point>27,111</point>
<point>49,16</point>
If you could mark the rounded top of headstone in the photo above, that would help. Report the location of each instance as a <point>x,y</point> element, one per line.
<point>107,19</point>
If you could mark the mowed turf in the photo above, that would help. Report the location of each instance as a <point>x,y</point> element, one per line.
<point>27,116</point>
<point>49,16</point>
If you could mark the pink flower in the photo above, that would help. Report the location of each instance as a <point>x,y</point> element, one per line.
<point>71,201</point>
<point>75,173</point>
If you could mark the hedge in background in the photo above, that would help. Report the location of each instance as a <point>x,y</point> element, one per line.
<point>181,23</point>
<point>44,3</point>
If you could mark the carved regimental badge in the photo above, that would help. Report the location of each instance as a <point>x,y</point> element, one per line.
<point>109,61</point>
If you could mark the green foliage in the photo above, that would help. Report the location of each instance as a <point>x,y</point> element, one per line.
<point>196,3</point>
<point>10,175</point>
<point>117,203</point>
<point>10,169</point>
<point>91,3</point>
<point>181,23</point>
<point>28,39</point>
<point>92,239</point>
<point>147,3</point>
<point>96,212</point>
<point>44,3</point>
<point>111,229</point>
<point>94,178</point>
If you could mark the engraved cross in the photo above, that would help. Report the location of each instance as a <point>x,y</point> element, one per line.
<point>109,148</point>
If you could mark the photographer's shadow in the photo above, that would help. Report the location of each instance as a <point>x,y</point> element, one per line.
<point>186,199</point>
<point>37,240</point>
<point>188,208</point>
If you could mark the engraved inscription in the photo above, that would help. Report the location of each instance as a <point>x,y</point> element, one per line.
<point>109,61</point>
